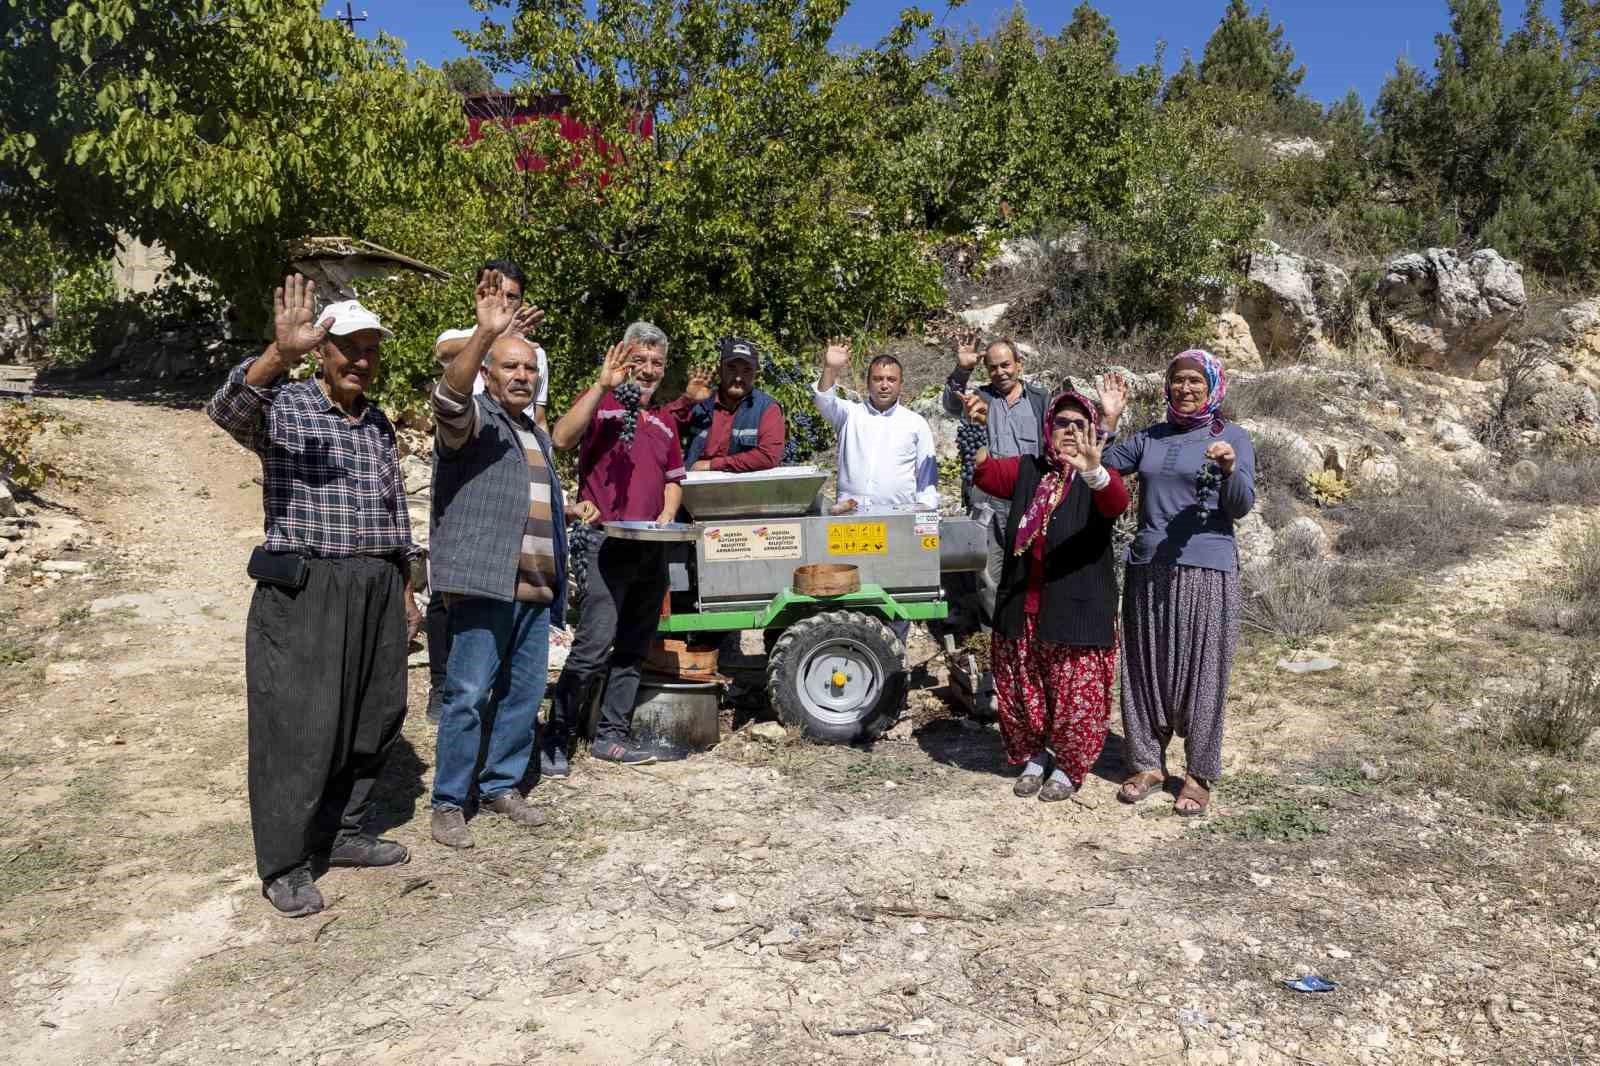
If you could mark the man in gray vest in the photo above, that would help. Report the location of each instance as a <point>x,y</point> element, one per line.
<point>1014,411</point>
<point>737,429</point>
<point>499,555</point>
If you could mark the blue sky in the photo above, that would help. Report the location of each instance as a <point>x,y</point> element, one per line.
<point>1348,45</point>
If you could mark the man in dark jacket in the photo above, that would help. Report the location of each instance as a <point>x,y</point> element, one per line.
<point>499,554</point>
<point>739,428</point>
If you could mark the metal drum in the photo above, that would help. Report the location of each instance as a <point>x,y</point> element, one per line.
<point>671,718</point>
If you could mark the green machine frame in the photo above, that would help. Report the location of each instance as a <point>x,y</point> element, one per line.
<point>789,606</point>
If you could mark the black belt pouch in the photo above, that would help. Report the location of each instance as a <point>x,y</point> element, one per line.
<point>284,569</point>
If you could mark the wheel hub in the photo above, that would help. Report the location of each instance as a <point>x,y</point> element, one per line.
<point>839,679</point>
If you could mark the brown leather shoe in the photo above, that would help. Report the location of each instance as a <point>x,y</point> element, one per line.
<point>450,828</point>
<point>1027,785</point>
<point>513,806</point>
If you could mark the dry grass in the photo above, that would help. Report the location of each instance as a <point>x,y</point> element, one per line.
<point>1430,524</point>
<point>1290,396</point>
<point>1559,711</point>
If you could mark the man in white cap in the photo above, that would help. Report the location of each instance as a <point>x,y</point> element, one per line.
<point>325,641</point>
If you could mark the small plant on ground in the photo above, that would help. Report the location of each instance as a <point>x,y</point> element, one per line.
<point>13,653</point>
<point>73,616</point>
<point>1281,819</point>
<point>1560,710</point>
<point>1578,585</point>
<point>1327,488</point>
<point>21,462</point>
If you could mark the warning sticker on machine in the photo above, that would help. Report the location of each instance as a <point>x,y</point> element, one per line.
<point>730,544</point>
<point>927,522</point>
<point>858,538</point>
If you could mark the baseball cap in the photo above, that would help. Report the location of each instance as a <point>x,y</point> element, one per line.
<point>737,348</point>
<point>350,317</point>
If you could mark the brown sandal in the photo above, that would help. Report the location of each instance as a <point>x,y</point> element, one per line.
<point>1141,785</point>
<point>1195,791</point>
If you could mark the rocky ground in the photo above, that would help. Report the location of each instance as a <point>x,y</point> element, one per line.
<point>769,901</point>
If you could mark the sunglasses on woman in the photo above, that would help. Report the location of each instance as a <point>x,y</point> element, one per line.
<point>1063,422</point>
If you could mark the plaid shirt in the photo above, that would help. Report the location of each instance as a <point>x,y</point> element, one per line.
<point>331,487</point>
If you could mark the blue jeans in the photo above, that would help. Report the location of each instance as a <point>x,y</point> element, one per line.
<point>495,678</point>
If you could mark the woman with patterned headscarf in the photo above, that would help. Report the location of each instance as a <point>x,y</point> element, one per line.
<point>1181,603</point>
<point>1055,647</point>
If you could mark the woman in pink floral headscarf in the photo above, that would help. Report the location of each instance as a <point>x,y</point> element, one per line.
<point>1055,644</point>
<point>1181,602</point>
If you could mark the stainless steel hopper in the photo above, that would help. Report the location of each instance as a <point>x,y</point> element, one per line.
<point>779,492</point>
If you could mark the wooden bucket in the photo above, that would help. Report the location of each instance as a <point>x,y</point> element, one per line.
<point>678,658</point>
<point>827,579</point>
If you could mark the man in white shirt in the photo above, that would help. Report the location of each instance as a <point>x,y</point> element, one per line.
<point>886,456</point>
<point>528,318</point>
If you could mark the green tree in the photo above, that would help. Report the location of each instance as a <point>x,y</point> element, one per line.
<point>742,205</point>
<point>218,130</point>
<point>1497,146</point>
<point>1247,53</point>
<point>467,76</point>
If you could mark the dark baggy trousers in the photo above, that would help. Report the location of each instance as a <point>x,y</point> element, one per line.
<point>325,667</point>
<point>620,612</point>
<point>436,624</point>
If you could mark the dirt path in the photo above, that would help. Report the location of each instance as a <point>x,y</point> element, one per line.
<point>771,903</point>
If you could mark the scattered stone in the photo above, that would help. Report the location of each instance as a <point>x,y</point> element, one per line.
<point>1336,952</point>
<point>1260,880</point>
<point>1377,1036</point>
<point>1524,474</point>
<point>1368,771</point>
<point>1308,666</point>
<point>1192,1018</point>
<point>726,903</point>
<point>8,503</point>
<point>1192,952</point>
<point>1046,998</point>
<point>1454,437</point>
<point>777,937</point>
<point>64,566</point>
<point>1304,538</point>
<point>771,732</point>
<point>984,318</point>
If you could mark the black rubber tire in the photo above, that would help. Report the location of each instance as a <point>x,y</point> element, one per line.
<point>807,636</point>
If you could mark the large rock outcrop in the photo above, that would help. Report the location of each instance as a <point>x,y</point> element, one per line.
<point>1295,305</point>
<point>1447,313</point>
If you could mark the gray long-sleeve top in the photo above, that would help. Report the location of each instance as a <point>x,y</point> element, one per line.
<point>1013,428</point>
<point>1175,525</point>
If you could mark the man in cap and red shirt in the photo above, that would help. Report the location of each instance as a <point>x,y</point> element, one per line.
<point>740,427</point>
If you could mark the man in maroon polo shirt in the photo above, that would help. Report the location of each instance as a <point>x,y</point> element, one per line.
<point>740,428</point>
<point>629,481</point>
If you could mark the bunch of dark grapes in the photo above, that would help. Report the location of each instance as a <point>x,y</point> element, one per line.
<point>1205,482</point>
<point>581,539</point>
<point>969,438</point>
<point>628,395</point>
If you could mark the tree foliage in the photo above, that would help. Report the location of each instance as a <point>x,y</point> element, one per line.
<point>1248,54</point>
<point>218,130</point>
<point>722,188</point>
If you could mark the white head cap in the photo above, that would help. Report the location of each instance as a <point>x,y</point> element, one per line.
<point>350,317</point>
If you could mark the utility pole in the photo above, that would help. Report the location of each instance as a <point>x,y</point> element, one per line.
<point>350,18</point>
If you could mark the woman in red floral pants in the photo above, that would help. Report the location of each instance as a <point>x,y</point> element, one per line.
<point>1055,646</point>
